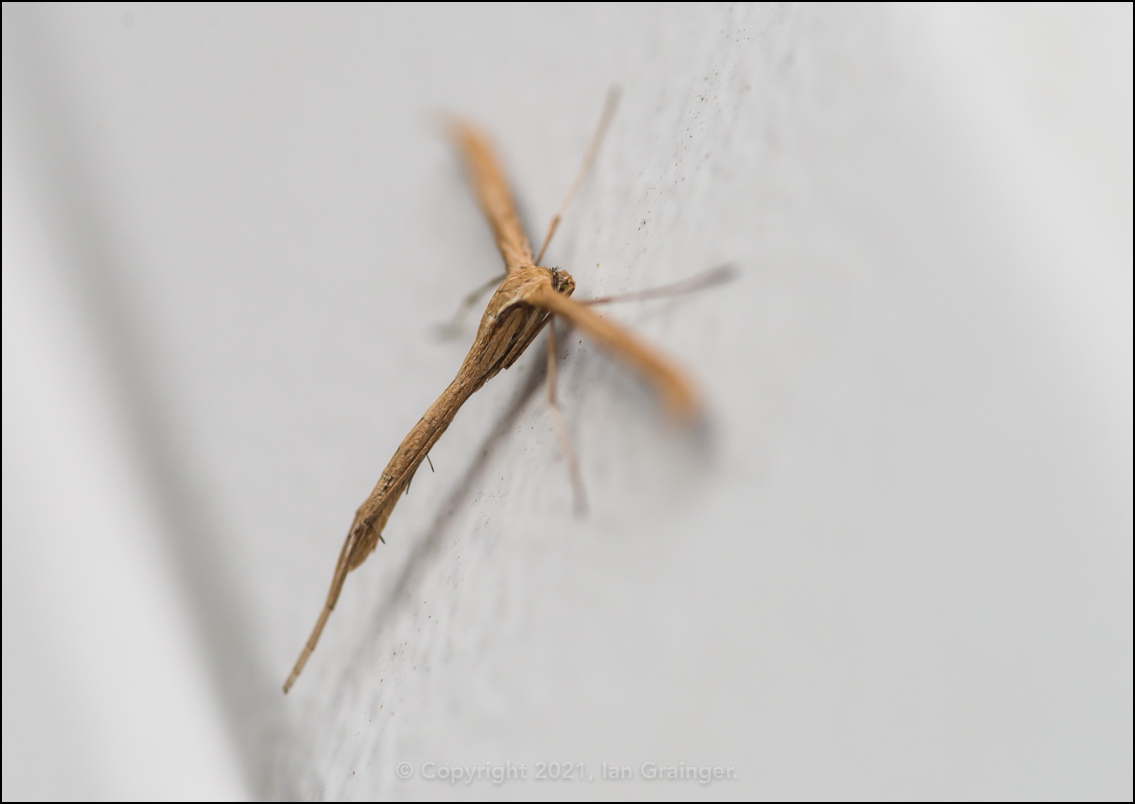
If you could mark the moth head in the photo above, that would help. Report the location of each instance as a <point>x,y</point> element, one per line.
<point>563,282</point>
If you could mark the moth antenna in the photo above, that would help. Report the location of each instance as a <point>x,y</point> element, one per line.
<point>589,157</point>
<point>714,276</point>
<point>561,425</point>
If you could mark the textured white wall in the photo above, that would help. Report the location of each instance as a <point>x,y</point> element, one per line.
<point>898,563</point>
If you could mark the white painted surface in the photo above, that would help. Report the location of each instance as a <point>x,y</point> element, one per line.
<point>897,564</point>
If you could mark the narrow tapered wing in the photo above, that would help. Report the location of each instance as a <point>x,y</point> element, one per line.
<point>678,394</point>
<point>487,177</point>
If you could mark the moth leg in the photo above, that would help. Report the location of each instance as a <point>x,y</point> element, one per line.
<point>452,328</point>
<point>561,425</point>
<point>714,276</point>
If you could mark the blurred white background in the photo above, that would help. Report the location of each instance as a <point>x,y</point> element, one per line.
<point>899,562</point>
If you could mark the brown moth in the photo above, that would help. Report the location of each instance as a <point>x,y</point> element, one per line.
<point>527,299</point>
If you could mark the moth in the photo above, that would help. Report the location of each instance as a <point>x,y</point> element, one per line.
<point>527,299</point>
